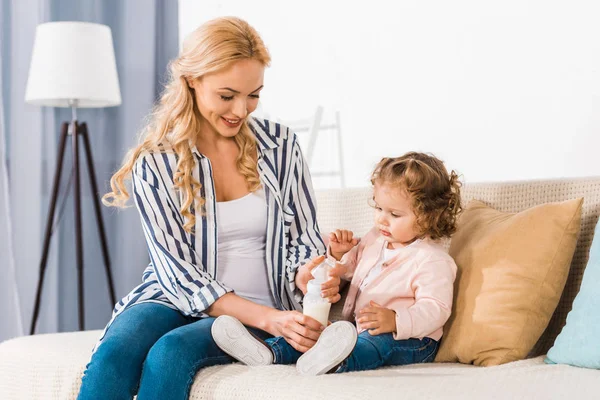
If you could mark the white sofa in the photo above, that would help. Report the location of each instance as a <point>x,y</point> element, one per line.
<point>51,366</point>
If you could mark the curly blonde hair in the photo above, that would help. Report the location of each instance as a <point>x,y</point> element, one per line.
<point>434,193</point>
<point>175,121</point>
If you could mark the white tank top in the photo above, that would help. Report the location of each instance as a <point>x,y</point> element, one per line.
<point>241,259</point>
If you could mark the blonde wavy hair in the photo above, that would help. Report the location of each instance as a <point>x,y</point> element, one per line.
<point>175,120</point>
<point>434,193</point>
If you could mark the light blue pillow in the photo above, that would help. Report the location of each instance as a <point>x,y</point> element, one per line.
<point>578,342</point>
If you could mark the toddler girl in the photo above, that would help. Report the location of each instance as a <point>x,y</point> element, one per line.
<point>402,279</point>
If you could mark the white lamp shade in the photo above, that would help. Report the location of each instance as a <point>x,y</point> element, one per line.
<point>73,61</point>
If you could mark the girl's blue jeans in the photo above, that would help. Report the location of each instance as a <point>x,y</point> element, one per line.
<point>154,351</point>
<point>369,353</point>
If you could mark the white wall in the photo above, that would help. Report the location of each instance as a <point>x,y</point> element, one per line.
<point>502,90</point>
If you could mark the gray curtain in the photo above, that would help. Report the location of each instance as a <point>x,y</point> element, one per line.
<point>10,307</point>
<point>145,34</point>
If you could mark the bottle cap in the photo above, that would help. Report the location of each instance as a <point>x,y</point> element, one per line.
<point>313,287</point>
<point>321,272</point>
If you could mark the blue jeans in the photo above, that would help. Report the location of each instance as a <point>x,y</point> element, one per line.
<point>369,353</point>
<point>155,351</point>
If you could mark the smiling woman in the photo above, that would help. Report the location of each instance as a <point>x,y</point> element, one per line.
<point>227,106</point>
<point>210,255</point>
<point>225,99</point>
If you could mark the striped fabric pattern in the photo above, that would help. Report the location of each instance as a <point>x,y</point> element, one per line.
<point>183,265</point>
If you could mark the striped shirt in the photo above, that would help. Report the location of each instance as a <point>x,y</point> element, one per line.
<point>183,266</point>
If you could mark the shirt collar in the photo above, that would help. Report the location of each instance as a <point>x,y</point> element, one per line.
<point>382,240</point>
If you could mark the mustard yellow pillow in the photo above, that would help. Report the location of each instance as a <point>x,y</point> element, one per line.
<point>512,269</point>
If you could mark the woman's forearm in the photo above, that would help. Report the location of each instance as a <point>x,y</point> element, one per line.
<point>248,312</point>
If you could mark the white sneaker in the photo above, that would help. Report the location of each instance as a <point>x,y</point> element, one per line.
<point>237,341</point>
<point>333,346</point>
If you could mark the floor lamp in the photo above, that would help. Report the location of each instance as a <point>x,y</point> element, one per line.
<point>73,66</point>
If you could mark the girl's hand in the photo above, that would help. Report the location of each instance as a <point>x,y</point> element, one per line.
<point>299,330</point>
<point>377,319</point>
<point>330,289</point>
<point>340,242</point>
<point>303,274</point>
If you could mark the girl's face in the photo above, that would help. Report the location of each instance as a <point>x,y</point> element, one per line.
<point>227,97</point>
<point>394,215</point>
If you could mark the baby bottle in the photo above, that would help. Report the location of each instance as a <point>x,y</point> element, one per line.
<point>316,306</point>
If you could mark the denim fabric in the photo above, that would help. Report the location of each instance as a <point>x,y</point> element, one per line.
<point>383,350</point>
<point>155,351</point>
<point>369,353</point>
<point>283,351</point>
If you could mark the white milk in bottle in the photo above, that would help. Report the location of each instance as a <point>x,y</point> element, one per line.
<point>316,306</point>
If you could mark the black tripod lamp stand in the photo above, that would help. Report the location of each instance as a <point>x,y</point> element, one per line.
<point>73,65</point>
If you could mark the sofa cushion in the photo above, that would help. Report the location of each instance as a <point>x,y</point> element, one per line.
<point>577,342</point>
<point>512,268</point>
<point>50,367</point>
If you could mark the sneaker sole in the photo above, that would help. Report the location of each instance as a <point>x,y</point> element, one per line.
<point>333,346</point>
<point>237,341</point>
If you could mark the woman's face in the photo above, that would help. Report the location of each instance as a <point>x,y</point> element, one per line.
<point>227,97</point>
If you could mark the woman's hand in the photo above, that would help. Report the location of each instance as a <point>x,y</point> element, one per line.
<point>299,330</point>
<point>377,319</point>
<point>330,289</point>
<point>340,242</point>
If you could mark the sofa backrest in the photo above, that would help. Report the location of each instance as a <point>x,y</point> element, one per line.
<point>349,209</point>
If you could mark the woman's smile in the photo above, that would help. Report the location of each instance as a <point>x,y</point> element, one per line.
<point>231,123</point>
